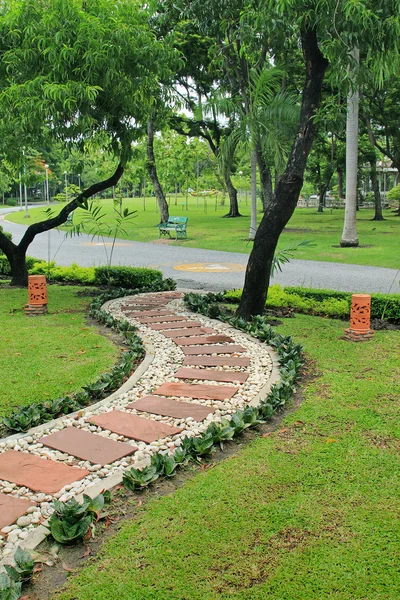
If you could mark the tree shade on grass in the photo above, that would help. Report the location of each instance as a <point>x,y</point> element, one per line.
<point>49,356</point>
<point>306,512</point>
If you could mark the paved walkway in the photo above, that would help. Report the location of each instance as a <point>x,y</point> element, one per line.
<point>195,268</point>
<point>199,371</point>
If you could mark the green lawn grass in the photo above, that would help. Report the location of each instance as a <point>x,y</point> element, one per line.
<point>308,512</point>
<point>208,230</point>
<point>48,356</point>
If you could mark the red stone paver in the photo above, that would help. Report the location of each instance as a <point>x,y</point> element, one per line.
<point>134,427</point>
<point>167,407</point>
<point>189,331</point>
<point>12,508</point>
<point>217,361</point>
<point>228,349</point>
<point>38,474</point>
<point>147,313</point>
<point>210,375</point>
<point>201,340</point>
<point>176,325</point>
<point>160,319</point>
<point>189,390</point>
<point>87,446</point>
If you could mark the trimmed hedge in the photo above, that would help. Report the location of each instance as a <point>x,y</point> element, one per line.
<point>325,302</point>
<point>128,277</point>
<point>122,277</point>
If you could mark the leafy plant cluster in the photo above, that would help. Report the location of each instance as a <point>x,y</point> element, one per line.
<point>193,449</point>
<point>197,448</point>
<point>322,302</point>
<point>11,581</point>
<point>71,521</point>
<point>5,269</point>
<point>30,416</point>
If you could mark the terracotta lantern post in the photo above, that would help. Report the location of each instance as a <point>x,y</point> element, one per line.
<point>360,318</point>
<point>37,295</point>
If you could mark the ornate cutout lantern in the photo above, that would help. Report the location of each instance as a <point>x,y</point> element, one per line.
<point>360,318</point>
<point>37,295</point>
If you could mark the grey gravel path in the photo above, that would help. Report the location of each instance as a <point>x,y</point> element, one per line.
<point>229,266</point>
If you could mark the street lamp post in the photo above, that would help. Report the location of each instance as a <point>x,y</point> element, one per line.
<point>66,186</point>
<point>20,191</point>
<point>79,181</point>
<point>47,184</point>
<point>26,215</point>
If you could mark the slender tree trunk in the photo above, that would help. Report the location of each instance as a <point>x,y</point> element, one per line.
<point>323,188</point>
<point>377,194</point>
<point>16,254</point>
<point>152,171</point>
<point>253,213</point>
<point>267,193</point>
<point>349,236</point>
<point>233,198</point>
<point>284,202</point>
<point>339,172</point>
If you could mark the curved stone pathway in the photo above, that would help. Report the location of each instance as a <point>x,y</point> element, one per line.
<point>201,371</point>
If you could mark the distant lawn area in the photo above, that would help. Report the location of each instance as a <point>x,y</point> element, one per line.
<point>48,356</point>
<point>309,512</point>
<point>380,241</point>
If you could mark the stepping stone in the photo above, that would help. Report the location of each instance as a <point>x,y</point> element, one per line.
<point>147,313</point>
<point>188,331</point>
<point>87,446</point>
<point>176,325</point>
<point>134,427</point>
<point>38,474</point>
<point>217,361</point>
<point>204,339</point>
<point>189,390</point>
<point>160,319</point>
<point>210,375</point>
<point>167,407</point>
<point>12,508</point>
<point>228,349</point>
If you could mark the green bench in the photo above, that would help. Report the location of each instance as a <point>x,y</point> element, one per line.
<point>177,224</point>
<point>69,220</point>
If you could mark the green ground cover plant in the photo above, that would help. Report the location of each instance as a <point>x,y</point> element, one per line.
<point>380,241</point>
<point>308,511</point>
<point>47,356</point>
<point>324,302</point>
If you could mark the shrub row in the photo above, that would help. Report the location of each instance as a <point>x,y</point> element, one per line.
<point>123,277</point>
<point>328,303</point>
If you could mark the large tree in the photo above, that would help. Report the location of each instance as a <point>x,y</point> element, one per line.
<point>372,25</point>
<point>73,70</point>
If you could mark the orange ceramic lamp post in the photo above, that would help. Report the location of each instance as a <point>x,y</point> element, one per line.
<point>360,319</point>
<point>37,295</point>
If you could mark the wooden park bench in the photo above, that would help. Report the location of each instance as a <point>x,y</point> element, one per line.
<point>177,224</point>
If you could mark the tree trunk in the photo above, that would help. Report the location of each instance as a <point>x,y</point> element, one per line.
<point>152,171</point>
<point>284,202</point>
<point>377,194</point>
<point>323,188</point>
<point>253,213</point>
<point>16,254</point>
<point>19,272</point>
<point>349,236</point>
<point>233,199</point>
<point>267,193</point>
<point>339,182</point>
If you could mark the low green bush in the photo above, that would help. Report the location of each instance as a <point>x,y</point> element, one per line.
<point>324,302</point>
<point>71,274</point>
<point>5,268</point>
<point>127,277</point>
<point>11,202</point>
